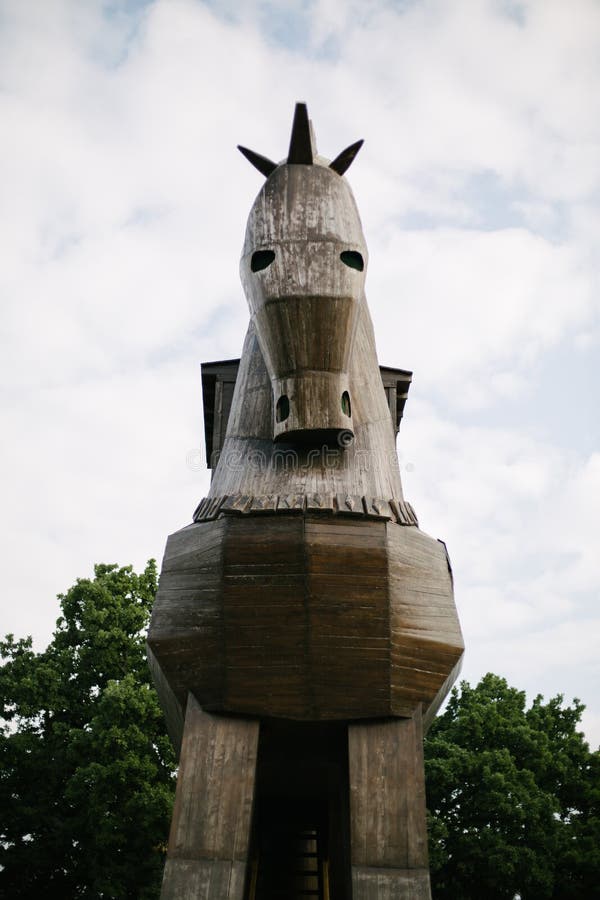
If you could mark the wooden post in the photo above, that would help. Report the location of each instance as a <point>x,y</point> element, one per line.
<point>210,829</point>
<point>387,810</point>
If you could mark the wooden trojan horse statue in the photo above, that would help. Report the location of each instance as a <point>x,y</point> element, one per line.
<point>304,630</point>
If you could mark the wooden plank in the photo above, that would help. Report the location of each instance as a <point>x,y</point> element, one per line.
<point>210,828</point>
<point>171,706</point>
<point>426,640</point>
<point>199,879</point>
<point>190,538</point>
<point>348,617</point>
<point>390,884</point>
<point>387,794</point>
<point>264,616</point>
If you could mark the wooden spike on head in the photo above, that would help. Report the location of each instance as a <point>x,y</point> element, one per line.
<point>264,165</point>
<point>301,150</point>
<point>344,160</point>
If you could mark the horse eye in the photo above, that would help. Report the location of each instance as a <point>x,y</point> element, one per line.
<point>353,260</point>
<point>261,259</point>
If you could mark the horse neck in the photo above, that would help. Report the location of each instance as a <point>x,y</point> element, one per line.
<point>251,464</point>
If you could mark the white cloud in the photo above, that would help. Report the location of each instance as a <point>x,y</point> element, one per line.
<point>459,302</point>
<point>521,520</point>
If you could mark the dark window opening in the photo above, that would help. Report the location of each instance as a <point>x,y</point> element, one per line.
<point>353,259</point>
<point>282,410</point>
<point>261,259</point>
<point>346,406</point>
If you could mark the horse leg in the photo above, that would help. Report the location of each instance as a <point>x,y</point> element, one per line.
<point>210,828</point>
<point>387,810</point>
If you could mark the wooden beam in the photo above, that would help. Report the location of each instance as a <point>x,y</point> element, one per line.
<point>387,810</point>
<point>210,829</point>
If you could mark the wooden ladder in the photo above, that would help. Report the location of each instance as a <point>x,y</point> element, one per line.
<point>290,866</point>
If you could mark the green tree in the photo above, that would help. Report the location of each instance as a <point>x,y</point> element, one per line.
<point>86,769</point>
<point>513,797</point>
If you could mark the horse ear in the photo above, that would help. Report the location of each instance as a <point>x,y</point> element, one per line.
<point>264,165</point>
<point>345,159</point>
<point>301,150</point>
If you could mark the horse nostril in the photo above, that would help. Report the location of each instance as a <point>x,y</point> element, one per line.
<point>261,259</point>
<point>282,410</point>
<point>346,406</point>
<point>353,259</point>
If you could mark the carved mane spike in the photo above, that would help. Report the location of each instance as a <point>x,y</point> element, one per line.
<point>301,150</point>
<point>345,159</point>
<point>264,165</point>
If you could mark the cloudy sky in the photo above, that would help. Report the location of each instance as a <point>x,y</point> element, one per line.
<point>123,204</point>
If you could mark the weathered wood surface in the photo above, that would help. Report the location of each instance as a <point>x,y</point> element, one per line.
<point>340,504</point>
<point>388,884</point>
<point>426,644</point>
<point>210,828</point>
<point>304,590</point>
<point>173,706</point>
<point>387,809</point>
<point>265,621</point>
<point>200,879</point>
<point>305,616</point>
<point>218,383</point>
<point>185,639</point>
<point>251,463</point>
<point>305,304</point>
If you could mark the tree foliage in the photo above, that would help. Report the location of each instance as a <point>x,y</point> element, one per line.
<point>87,772</point>
<point>513,798</point>
<point>86,777</point>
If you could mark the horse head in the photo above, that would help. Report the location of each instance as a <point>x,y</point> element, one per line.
<point>303,270</point>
